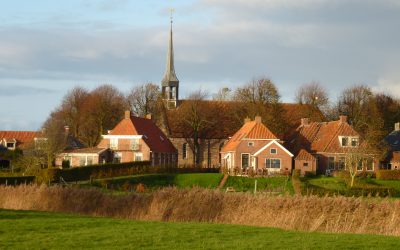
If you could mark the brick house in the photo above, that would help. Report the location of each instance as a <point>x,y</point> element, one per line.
<point>328,143</point>
<point>84,156</point>
<point>139,139</point>
<point>12,140</point>
<point>392,140</point>
<point>255,147</point>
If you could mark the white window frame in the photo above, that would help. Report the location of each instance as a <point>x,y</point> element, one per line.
<point>137,155</point>
<point>114,143</point>
<point>241,160</point>
<point>272,168</point>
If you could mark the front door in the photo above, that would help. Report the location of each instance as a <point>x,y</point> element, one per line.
<point>245,161</point>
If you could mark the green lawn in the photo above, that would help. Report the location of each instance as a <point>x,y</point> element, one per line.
<point>41,230</point>
<point>331,183</point>
<point>153,181</point>
<point>278,183</point>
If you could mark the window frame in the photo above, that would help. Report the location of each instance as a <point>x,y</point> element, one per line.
<point>270,164</point>
<point>276,151</point>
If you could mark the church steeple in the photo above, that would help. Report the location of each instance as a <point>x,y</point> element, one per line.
<point>170,83</point>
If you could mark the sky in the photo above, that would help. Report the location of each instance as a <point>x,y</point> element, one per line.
<point>48,47</point>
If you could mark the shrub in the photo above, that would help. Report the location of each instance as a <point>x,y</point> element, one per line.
<point>114,170</point>
<point>388,174</point>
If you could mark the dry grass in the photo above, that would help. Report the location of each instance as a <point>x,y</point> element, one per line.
<point>306,213</point>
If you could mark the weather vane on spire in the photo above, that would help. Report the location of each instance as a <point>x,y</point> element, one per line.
<point>171,12</point>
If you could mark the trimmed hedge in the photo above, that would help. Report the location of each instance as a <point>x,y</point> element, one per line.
<point>16,180</point>
<point>113,170</point>
<point>388,174</point>
<point>355,191</point>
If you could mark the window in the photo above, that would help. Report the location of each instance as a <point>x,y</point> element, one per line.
<point>138,157</point>
<point>117,158</point>
<point>245,160</point>
<point>370,164</point>
<point>135,144</point>
<point>250,144</point>
<point>305,164</point>
<point>341,163</point>
<point>114,143</point>
<point>345,141</point>
<point>82,160</point>
<point>331,163</point>
<point>354,142</point>
<point>90,160</point>
<point>359,166</point>
<point>273,163</point>
<point>10,144</point>
<point>273,151</point>
<point>184,151</point>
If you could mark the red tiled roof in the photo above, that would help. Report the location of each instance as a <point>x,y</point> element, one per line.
<point>320,137</point>
<point>152,135</point>
<point>250,130</point>
<point>23,138</point>
<point>305,156</point>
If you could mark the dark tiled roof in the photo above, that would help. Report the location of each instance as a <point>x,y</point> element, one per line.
<point>393,140</point>
<point>228,117</point>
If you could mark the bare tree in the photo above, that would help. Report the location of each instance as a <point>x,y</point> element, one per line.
<point>143,99</point>
<point>356,160</point>
<point>223,94</point>
<point>312,93</point>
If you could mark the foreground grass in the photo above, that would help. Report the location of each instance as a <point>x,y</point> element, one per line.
<point>154,181</point>
<point>41,230</point>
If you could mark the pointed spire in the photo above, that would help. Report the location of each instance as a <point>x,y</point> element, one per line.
<point>170,75</point>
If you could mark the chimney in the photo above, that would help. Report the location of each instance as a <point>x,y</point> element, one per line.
<point>343,118</point>
<point>66,129</point>
<point>148,116</point>
<point>304,121</point>
<point>397,126</point>
<point>257,119</point>
<point>127,114</point>
<point>246,120</point>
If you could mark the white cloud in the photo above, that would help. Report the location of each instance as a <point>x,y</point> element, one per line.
<point>388,86</point>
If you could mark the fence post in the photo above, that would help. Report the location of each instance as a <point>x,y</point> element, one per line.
<point>255,186</point>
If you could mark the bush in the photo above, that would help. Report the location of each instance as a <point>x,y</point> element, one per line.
<point>388,174</point>
<point>115,170</point>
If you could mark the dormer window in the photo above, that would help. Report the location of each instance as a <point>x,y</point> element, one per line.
<point>348,141</point>
<point>10,145</point>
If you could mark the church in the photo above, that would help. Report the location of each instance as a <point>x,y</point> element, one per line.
<point>199,128</point>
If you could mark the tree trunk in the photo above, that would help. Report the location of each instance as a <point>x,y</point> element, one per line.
<point>352,180</point>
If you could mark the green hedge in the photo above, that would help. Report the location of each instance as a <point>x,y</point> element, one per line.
<point>113,170</point>
<point>355,191</point>
<point>388,174</point>
<point>16,180</point>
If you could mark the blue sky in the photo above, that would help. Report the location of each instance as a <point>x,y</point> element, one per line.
<point>48,47</point>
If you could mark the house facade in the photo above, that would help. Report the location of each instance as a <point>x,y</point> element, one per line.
<point>392,141</point>
<point>255,148</point>
<point>322,146</point>
<point>84,157</point>
<point>139,139</point>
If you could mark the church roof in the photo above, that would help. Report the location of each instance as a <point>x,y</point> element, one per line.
<point>170,77</point>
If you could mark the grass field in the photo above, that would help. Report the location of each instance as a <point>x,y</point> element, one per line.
<point>154,181</point>
<point>40,230</point>
<point>281,184</point>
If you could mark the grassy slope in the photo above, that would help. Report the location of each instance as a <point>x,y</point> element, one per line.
<point>34,230</point>
<point>205,180</point>
<point>278,183</point>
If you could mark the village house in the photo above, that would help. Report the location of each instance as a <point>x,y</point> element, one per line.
<point>254,147</point>
<point>139,139</point>
<point>392,140</point>
<point>322,146</point>
<point>80,157</point>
